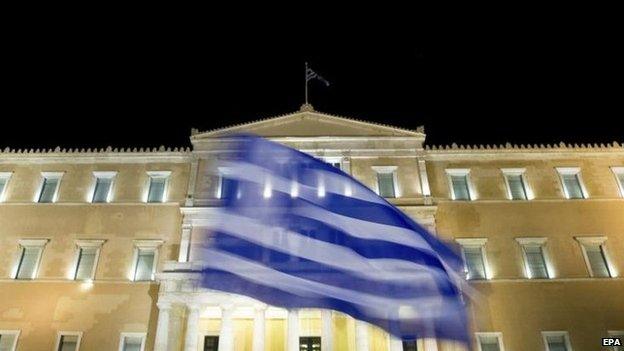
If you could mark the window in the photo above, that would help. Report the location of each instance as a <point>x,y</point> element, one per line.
<point>490,341</point>
<point>87,258</point>
<point>516,186</point>
<point>386,181</point>
<point>227,187</point>
<point>595,256</point>
<point>617,171</point>
<point>211,343</point>
<point>49,187</point>
<point>132,342</point>
<point>617,334</point>
<point>534,257</point>
<point>310,343</point>
<point>572,182</point>
<point>410,345</point>
<point>103,186</point>
<point>4,181</point>
<point>474,258</point>
<point>459,182</point>
<point>29,258</point>
<point>334,161</point>
<point>68,341</point>
<point>158,182</point>
<point>146,258</point>
<point>557,341</point>
<point>8,339</point>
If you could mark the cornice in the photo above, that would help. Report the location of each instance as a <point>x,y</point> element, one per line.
<point>520,148</point>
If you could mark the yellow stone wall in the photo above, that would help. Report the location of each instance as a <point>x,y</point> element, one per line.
<point>112,303</point>
<point>509,303</point>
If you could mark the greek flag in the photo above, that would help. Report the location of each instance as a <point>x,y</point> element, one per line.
<point>296,232</point>
<point>310,74</point>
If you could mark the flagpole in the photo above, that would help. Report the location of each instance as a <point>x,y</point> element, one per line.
<point>306,83</point>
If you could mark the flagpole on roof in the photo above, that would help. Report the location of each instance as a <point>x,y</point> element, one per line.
<point>306,82</point>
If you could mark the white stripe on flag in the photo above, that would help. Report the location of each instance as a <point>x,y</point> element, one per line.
<point>375,306</point>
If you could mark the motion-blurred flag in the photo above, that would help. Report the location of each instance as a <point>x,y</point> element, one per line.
<point>310,74</point>
<point>296,232</point>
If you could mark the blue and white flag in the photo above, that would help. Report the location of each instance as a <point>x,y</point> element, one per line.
<point>296,232</point>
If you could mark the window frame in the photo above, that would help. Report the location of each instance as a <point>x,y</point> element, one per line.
<point>601,241</point>
<point>157,174</point>
<point>15,332</point>
<point>148,245</point>
<point>44,176</point>
<point>498,335</point>
<point>86,243</point>
<point>616,171</point>
<point>62,333</point>
<point>123,336</point>
<point>480,243</point>
<point>335,159</point>
<point>566,338</point>
<point>535,241</point>
<point>450,172</point>
<point>561,171</point>
<point>202,340</point>
<point>7,177</point>
<point>28,243</point>
<point>112,175</point>
<point>516,172</point>
<point>387,170</point>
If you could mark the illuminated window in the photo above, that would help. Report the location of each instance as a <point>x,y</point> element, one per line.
<point>29,258</point>
<point>619,178</point>
<point>132,342</point>
<point>8,339</point>
<point>460,184</point>
<point>4,181</point>
<point>68,341</point>
<point>158,182</point>
<point>103,186</point>
<point>490,341</point>
<point>211,343</point>
<point>595,255</point>
<point>87,258</point>
<point>386,181</point>
<point>557,341</point>
<point>534,257</point>
<point>145,259</point>
<point>410,345</point>
<point>227,187</point>
<point>310,343</point>
<point>516,185</point>
<point>572,182</point>
<point>49,187</point>
<point>473,250</point>
<point>334,161</point>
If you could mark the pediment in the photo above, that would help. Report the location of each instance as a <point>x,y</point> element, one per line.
<point>311,124</point>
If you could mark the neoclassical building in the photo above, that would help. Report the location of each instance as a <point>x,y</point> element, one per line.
<point>96,245</point>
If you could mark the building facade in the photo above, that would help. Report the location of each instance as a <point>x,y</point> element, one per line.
<point>96,246</point>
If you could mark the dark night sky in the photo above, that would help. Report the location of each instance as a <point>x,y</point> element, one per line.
<point>143,85</point>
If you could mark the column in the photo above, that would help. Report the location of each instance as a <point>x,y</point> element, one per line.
<point>162,326</point>
<point>327,336</point>
<point>226,336</point>
<point>192,326</point>
<point>292,343</point>
<point>361,336</point>
<point>395,344</point>
<point>430,344</point>
<point>258,328</point>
